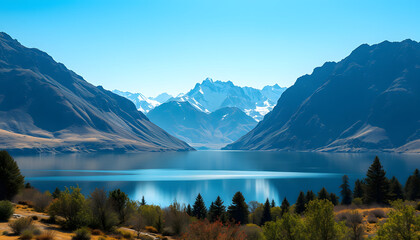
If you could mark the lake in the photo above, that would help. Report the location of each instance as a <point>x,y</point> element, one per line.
<point>163,177</point>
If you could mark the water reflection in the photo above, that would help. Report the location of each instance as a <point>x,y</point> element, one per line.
<point>164,177</point>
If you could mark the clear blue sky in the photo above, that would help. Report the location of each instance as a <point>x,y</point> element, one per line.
<point>154,46</point>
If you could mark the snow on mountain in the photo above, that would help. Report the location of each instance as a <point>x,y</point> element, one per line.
<point>210,96</point>
<point>143,103</point>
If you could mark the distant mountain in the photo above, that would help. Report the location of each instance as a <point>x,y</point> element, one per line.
<point>210,96</point>
<point>369,101</point>
<point>202,130</point>
<point>44,107</point>
<point>143,103</point>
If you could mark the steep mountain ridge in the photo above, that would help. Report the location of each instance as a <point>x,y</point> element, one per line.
<point>200,129</point>
<point>369,101</point>
<point>45,107</point>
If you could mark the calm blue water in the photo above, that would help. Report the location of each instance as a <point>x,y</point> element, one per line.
<point>163,177</point>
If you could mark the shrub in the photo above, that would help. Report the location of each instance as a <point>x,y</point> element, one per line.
<point>354,222</point>
<point>6,210</point>
<point>81,234</point>
<point>5,233</point>
<point>290,226</point>
<point>97,232</point>
<point>372,218</point>
<point>403,223</point>
<point>21,224</point>
<point>26,234</point>
<point>213,231</point>
<point>34,198</point>
<point>46,235</point>
<point>319,221</point>
<point>176,220</point>
<point>357,201</point>
<point>379,213</point>
<point>253,232</point>
<point>103,214</point>
<point>151,229</point>
<point>72,206</point>
<point>150,214</point>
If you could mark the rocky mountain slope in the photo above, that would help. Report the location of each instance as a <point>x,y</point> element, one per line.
<point>44,107</point>
<point>369,101</point>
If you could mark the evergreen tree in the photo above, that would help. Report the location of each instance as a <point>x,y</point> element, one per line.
<point>119,201</point>
<point>238,211</point>
<point>217,210</point>
<point>309,196</point>
<point>395,189</point>
<point>189,210</point>
<point>143,202</point>
<point>56,193</point>
<point>377,186</point>
<point>334,199</point>
<point>345,191</point>
<point>284,206</point>
<point>11,181</point>
<point>412,186</point>
<point>199,208</point>
<point>266,216</point>
<point>323,194</point>
<point>273,204</point>
<point>300,203</point>
<point>358,191</point>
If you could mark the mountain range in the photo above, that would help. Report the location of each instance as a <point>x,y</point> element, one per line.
<point>369,101</point>
<point>199,129</point>
<point>210,96</point>
<point>44,107</point>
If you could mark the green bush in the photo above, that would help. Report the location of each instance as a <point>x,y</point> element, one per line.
<point>253,232</point>
<point>403,223</point>
<point>6,210</point>
<point>73,207</point>
<point>81,234</point>
<point>357,201</point>
<point>21,224</point>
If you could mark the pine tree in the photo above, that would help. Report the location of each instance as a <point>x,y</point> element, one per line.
<point>345,191</point>
<point>334,199</point>
<point>273,204</point>
<point>377,186</point>
<point>238,211</point>
<point>189,210</point>
<point>56,193</point>
<point>323,194</point>
<point>310,196</point>
<point>266,216</point>
<point>284,206</point>
<point>199,208</point>
<point>358,191</point>
<point>412,186</point>
<point>217,210</point>
<point>300,203</point>
<point>143,202</point>
<point>395,189</point>
<point>11,180</point>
